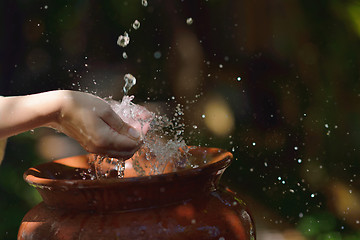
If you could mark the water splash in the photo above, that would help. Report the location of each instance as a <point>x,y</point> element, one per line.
<point>136,25</point>
<point>134,115</point>
<point>130,81</point>
<point>104,167</point>
<point>189,21</point>
<point>120,167</point>
<point>144,3</point>
<point>163,145</point>
<point>123,40</point>
<point>163,149</point>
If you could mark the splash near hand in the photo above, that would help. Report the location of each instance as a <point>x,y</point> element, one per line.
<point>134,115</point>
<point>94,124</point>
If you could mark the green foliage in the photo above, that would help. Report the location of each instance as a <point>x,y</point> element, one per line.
<point>320,225</point>
<point>17,197</point>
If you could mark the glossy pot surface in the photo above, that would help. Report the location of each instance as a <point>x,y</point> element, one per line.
<point>186,204</point>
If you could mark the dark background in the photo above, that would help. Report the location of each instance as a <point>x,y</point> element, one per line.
<point>292,121</point>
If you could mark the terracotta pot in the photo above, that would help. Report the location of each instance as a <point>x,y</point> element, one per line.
<point>186,204</point>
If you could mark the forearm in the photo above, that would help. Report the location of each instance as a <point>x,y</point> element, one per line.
<point>22,113</point>
<point>88,119</point>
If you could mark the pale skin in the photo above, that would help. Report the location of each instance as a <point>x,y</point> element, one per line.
<point>82,116</point>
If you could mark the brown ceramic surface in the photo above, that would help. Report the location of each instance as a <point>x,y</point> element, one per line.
<point>186,204</point>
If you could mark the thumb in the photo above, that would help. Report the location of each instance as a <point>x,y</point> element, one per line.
<point>115,122</point>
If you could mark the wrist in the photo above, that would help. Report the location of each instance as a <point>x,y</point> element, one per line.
<point>51,107</point>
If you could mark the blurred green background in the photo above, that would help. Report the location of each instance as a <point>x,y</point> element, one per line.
<point>278,83</point>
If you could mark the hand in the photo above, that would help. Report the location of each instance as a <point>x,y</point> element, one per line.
<point>92,122</point>
<point>135,115</point>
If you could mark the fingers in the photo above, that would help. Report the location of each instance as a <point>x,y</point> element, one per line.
<point>115,122</point>
<point>106,141</point>
<point>94,124</point>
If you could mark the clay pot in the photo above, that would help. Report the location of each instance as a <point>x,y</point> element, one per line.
<point>187,204</point>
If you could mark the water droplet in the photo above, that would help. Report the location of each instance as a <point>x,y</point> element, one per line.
<point>312,195</point>
<point>189,21</point>
<point>144,3</point>
<point>46,7</point>
<point>195,127</point>
<point>123,40</point>
<point>254,143</point>
<point>203,116</point>
<point>136,25</point>
<point>157,54</point>
<point>326,125</point>
<point>295,148</point>
<point>238,79</point>
<point>221,66</point>
<point>124,55</point>
<point>299,160</point>
<point>130,81</point>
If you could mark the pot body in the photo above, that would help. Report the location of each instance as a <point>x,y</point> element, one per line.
<point>217,214</point>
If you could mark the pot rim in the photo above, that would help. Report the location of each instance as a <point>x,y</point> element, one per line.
<point>221,161</point>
